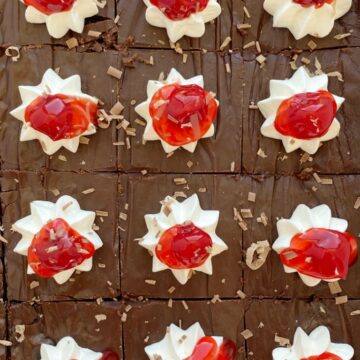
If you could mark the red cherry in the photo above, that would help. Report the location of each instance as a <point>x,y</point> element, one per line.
<point>324,356</point>
<point>321,253</point>
<point>180,9</point>
<point>184,247</point>
<point>208,349</point>
<point>182,113</point>
<point>306,115</point>
<point>316,3</point>
<point>61,116</point>
<point>58,247</point>
<point>49,7</point>
<point>205,349</point>
<point>109,355</point>
<point>228,350</point>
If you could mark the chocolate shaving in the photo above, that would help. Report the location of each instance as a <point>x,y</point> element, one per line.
<point>257,254</point>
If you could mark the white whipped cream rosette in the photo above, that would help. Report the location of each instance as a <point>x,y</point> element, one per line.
<point>143,110</point>
<point>192,26</point>
<point>282,90</point>
<point>51,84</point>
<point>315,344</point>
<point>67,349</point>
<point>302,220</point>
<point>59,23</point>
<point>174,213</point>
<point>68,209</point>
<point>178,344</point>
<point>306,20</point>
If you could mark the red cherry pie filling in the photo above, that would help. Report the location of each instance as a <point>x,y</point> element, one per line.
<point>324,356</point>
<point>182,113</point>
<point>58,247</point>
<point>50,7</point>
<point>179,9</point>
<point>316,3</point>
<point>109,355</point>
<point>208,349</point>
<point>61,116</point>
<point>184,247</point>
<point>307,115</point>
<point>321,253</point>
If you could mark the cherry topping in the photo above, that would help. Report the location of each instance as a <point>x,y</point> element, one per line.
<point>58,247</point>
<point>49,7</point>
<point>306,115</point>
<point>61,116</point>
<point>316,3</point>
<point>321,253</point>
<point>208,349</point>
<point>184,247</point>
<point>180,9</point>
<point>324,356</point>
<point>109,355</point>
<point>182,113</point>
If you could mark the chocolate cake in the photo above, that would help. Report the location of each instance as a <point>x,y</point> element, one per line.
<point>130,181</point>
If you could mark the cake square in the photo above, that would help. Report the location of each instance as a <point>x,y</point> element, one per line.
<point>280,197</point>
<point>335,156</point>
<point>221,193</point>
<point>267,318</point>
<point>48,323</point>
<point>140,33</point>
<point>19,189</point>
<point>100,153</point>
<point>151,319</point>
<point>215,154</point>
<point>278,39</point>
<point>15,29</point>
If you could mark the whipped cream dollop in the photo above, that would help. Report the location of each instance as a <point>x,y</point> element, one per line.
<point>143,110</point>
<point>303,219</point>
<point>306,20</point>
<point>59,23</point>
<point>52,84</point>
<point>193,26</point>
<point>43,212</point>
<point>281,90</point>
<point>174,213</point>
<point>178,344</point>
<point>67,349</point>
<point>315,344</point>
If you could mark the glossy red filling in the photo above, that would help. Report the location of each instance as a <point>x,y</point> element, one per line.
<point>316,3</point>
<point>306,115</point>
<point>109,355</point>
<point>184,247</point>
<point>321,253</point>
<point>182,113</point>
<point>208,349</point>
<point>58,247</point>
<point>324,356</point>
<point>180,9</point>
<point>49,7</point>
<point>61,116</point>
